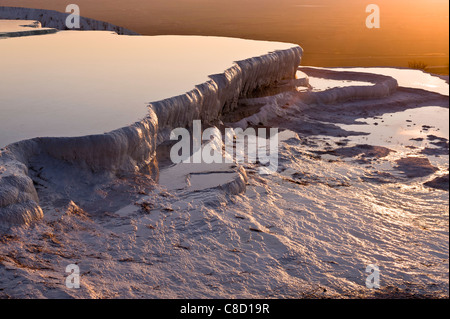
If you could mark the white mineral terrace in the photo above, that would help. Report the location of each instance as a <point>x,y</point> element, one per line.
<point>76,83</point>
<point>361,171</point>
<point>8,26</point>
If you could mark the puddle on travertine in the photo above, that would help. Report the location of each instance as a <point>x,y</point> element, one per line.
<point>419,132</point>
<point>319,84</point>
<point>409,133</point>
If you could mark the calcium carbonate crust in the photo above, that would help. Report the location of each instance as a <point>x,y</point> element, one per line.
<point>57,20</point>
<point>132,148</point>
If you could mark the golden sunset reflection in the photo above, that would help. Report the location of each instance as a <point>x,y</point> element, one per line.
<point>333,33</point>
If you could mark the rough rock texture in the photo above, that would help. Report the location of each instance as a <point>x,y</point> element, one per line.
<point>127,149</point>
<point>416,166</point>
<point>441,183</point>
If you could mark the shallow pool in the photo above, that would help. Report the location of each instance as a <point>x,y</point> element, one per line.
<point>75,83</point>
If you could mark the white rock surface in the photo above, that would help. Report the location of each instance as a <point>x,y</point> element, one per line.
<point>222,231</point>
<point>57,20</point>
<point>19,28</point>
<point>309,230</point>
